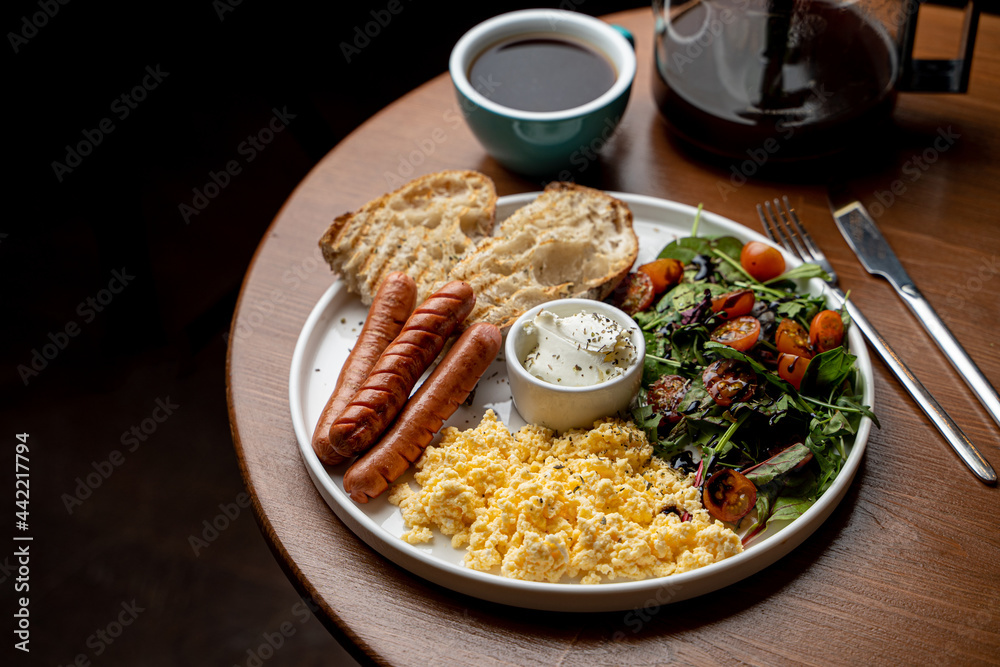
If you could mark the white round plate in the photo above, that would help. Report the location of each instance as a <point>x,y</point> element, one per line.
<point>330,332</point>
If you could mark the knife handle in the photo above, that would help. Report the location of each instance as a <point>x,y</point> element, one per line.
<point>959,442</point>
<point>952,349</point>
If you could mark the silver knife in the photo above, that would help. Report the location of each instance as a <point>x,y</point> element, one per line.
<point>877,257</point>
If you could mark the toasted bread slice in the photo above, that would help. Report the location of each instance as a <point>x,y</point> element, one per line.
<point>421,229</point>
<point>572,241</point>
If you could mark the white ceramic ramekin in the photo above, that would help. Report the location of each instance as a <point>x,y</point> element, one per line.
<point>562,408</point>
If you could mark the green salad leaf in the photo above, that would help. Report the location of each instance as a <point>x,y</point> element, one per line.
<point>790,443</point>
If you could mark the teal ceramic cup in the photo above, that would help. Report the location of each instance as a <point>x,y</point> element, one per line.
<point>553,144</point>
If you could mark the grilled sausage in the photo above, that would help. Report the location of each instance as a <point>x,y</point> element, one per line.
<point>390,308</point>
<point>388,385</point>
<point>436,400</point>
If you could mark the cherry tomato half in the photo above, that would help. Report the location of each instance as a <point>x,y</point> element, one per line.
<point>728,380</point>
<point>634,294</point>
<point>665,395</point>
<point>729,496</point>
<point>740,334</point>
<point>762,261</point>
<point>826,331</point>
<point>792,338</point>
<point>665,272</point>
<point>734,304</point>
<point>792,369</point>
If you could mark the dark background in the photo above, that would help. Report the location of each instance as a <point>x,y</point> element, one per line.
<point>151,530</point>
<point>155,531</point>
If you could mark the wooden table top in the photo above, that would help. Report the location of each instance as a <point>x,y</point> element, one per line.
<point>907,569</point>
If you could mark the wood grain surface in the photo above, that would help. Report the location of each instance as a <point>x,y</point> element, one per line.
<point>905,571</point>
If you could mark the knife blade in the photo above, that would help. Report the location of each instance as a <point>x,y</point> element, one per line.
<point>878,258</point>
<point>865,238</point>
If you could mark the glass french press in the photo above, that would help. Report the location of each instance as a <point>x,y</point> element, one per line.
<point>799,78</point>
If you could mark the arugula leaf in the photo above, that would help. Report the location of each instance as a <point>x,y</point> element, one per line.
<point>801,272</point>
<point>653,367</point>
<point>682,297</point>
<point>827,371</point>
<point>721,447</point>
<point>731,269</point>
<point>644,317</point>
<point>778,408</point>
<point>837,424</point>
<point>686,434</point>
<point>788,508</point>
<point>655,344</point>
<point>687,295</point>
<point>646,418</point>
<point>802,309</point>
<point>695,399</point>
<point>687,248</point>
<point>844,315</point>
<point>779,464</point>
<point>730,246</point>
<point>853,404</point>
<point>773,478</point>
<point>766,495</point>
<point>826,441</point>
<point>686,342</point>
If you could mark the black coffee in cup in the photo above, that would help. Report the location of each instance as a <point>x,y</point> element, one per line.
<point>541,73</point>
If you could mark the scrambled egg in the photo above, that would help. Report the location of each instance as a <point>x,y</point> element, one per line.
<point>591,504</point>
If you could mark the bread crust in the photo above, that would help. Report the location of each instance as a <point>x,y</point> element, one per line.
<point>421,229</point>
<point>571,242</point>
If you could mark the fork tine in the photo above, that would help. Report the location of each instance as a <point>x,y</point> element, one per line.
<point>766,224</point>
<point>782,225</point>
<point>816,254</point>
<point>803,251</point>
<point>801,230</point>
<point>773,228</point>
<point>781,230</point>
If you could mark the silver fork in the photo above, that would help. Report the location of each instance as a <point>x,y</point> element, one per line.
<point>782,225</point>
